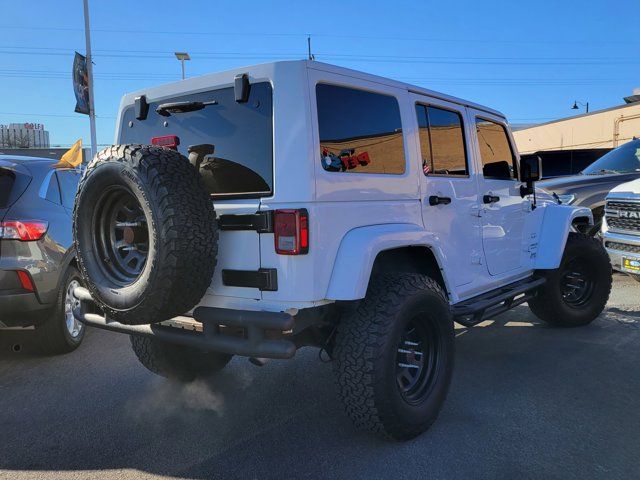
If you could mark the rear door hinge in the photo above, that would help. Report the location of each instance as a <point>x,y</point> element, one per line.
<point>261,222</point>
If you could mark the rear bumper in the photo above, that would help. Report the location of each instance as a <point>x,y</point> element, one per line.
<point>236,332</point>
<point>22,310</point>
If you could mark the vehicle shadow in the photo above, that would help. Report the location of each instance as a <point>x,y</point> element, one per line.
<point>98,413</point>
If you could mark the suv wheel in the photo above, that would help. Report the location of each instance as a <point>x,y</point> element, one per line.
<point>578,290</point>
<point>394,355</point>
<point>62,333</point>
<point>177,362</point>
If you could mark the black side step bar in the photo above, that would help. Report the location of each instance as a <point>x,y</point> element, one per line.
<point>474,310</point>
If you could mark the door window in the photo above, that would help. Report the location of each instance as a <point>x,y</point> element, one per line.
<point>441,141</point>
<point>360,131</point>
<point>498,160</point>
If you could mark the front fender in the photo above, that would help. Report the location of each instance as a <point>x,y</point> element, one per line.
<point>359,249</point>
<point>556,224</point>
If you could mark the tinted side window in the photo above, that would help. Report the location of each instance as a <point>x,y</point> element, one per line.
<point>7,179</point>
<point>68,186</point>
<point>441,141</point>
<point>53,190</point>
<point>498,160</point>
<point>360,131</point>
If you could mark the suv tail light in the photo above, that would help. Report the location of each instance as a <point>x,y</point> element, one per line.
<point>291,232</point>
<point>23,230</point>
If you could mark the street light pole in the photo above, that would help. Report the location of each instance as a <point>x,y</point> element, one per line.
<point>92,111</point>
<point>182,56</point>
<point>575,105</point>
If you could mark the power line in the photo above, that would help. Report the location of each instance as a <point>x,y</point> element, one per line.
<point>53,74</point>
<point>559,61</point>
<point>52,115</point>
<point>323,35</point>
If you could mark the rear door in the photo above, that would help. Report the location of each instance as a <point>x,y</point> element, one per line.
<point>503,210</point>
<point>237,174</point>
<point>448,183</point>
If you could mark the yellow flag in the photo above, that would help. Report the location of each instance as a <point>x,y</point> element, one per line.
<point>72,157</point>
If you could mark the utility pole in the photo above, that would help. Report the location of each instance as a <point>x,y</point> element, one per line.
<point>92,111</point>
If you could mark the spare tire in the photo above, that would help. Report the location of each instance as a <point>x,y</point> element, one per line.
<point>145,233</point>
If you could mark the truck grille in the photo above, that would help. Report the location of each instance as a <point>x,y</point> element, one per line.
<point>624,247</point>
<point>622,215</point>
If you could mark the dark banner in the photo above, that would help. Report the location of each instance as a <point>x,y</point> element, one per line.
<point>81,83</point>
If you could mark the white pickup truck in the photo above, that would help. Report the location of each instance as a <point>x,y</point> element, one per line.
<point>257,211</point>
<point>621,228</point>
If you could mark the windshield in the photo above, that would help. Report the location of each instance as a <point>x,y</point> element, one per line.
<point>624,159</point>
<point>241,133</point>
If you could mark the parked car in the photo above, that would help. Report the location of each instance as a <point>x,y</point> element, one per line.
<point>355,214</point>
<point>590,187</point>
<point>38,269</point>
<point>621,228</point>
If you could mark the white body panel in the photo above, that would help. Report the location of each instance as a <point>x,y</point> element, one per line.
<point>353,217</point>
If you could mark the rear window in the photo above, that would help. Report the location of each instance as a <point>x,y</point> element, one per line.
<point>242,134</point>
<point>6,183</point>
<point>12,186</point>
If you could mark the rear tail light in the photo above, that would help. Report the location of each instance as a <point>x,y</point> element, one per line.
<point>166,141</point>
<point>23,230</point>
<point>25,280</point>
<point>291,232</point>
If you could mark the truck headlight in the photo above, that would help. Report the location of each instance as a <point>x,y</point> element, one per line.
<point>567,199</point>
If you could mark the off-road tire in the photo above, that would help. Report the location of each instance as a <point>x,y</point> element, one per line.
<point>181,231</point>
<point>549,304</point>
<point>177,362</point>
<point>366,351</point>
<point>53,336</point>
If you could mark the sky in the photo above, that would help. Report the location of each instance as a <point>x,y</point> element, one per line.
<point>528,59</point>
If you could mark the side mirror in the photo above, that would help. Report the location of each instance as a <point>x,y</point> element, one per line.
<point>530,169</point>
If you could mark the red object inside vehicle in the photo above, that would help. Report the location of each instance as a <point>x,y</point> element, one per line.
<point>166,141</point>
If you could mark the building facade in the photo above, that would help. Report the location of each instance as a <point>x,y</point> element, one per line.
<point>599,130</point>
<point>24,135</point>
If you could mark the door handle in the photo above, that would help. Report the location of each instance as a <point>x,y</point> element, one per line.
<point>490,199</point>
<point>436,200</point>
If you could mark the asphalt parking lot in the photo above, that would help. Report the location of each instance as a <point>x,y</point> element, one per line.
<point>527,401</point>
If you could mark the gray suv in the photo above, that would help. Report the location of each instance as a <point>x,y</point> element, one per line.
<point>37,260</point>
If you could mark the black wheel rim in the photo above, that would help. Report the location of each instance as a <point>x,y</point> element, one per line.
<point>577,283</point>
<point>417,358</point>
<point>121,236</point>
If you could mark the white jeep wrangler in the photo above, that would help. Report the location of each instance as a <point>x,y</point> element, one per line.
<point>291,204</point>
